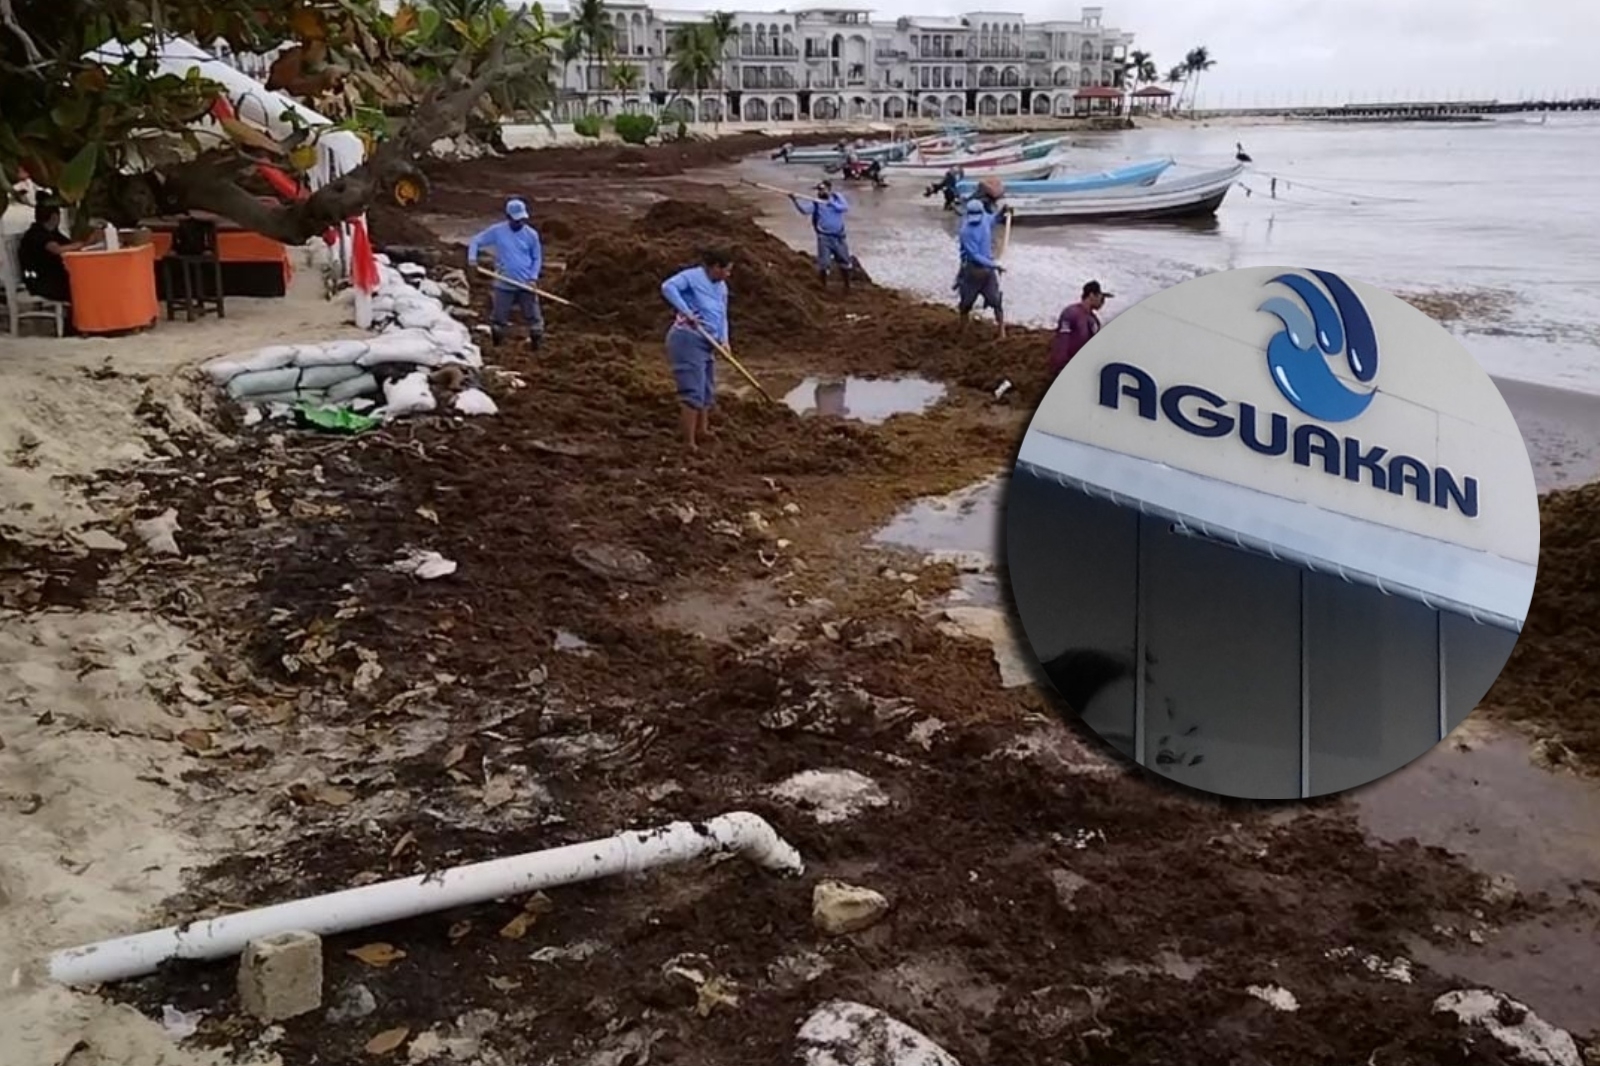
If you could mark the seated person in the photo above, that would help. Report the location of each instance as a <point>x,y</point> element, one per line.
<point>39,256</point>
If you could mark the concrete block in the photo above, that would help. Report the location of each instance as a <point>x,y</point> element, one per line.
<point>281,976</point>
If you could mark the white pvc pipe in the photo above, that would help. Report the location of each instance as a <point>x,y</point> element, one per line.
<point>389,901</point>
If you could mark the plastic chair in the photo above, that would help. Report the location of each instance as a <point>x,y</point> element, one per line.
<point>22,305</point>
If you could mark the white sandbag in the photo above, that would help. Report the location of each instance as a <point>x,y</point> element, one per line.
<point>333,353</point>
<point>290,379</point>
<point>229,367</point>
<point>364,385</point>
<point>401,346</point>
<point>288,398</point>
<point>429,287</point>
<point>382,258</point>
<point>422,317</point>
<point>412,271</point>
<point>408,395</point>
<point>476,402</point>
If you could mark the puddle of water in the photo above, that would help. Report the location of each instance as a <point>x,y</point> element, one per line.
<point>869,400</point>
<point>962,528</point>
<point>1480,795</point>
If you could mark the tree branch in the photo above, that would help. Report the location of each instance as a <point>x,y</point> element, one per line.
<point>9,17</point>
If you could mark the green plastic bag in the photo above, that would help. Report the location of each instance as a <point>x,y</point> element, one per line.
<point>333,419</point>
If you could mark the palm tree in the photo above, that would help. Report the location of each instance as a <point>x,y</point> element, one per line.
<point>695,60</point>
<point>596,35</point>
<point>1197,62</point>
<point>625,76</point>
<point>720,26</point>
<point>1137,70</point>
<point>1175,79</point>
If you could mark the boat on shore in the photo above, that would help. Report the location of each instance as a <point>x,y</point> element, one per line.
<point>941,150</point>
<point>882,151</point>
<point>1013,169</point>
<point>1196,196</point>
<point>1059,182</point>
<point>988,165</point>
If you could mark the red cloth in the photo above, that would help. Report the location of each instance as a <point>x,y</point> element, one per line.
<point>363,264</point>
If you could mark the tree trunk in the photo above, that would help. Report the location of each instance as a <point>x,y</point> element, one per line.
<point>212,182</point>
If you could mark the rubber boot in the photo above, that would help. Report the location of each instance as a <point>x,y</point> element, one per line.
<point>535,341</point>
<point>845,275</point>
<point>497,334</point>
<point>822,276</point>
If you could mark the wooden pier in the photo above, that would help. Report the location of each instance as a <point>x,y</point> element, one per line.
<point>1414,111</point>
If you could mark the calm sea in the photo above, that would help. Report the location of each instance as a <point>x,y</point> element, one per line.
<point>1503,215</point>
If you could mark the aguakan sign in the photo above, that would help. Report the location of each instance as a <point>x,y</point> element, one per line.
<point>1295,384</point>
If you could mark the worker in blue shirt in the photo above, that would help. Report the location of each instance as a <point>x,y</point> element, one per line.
<point>979,272</point>
<point>518,258</point>
<point>699,295</point>
<point>827,213</point>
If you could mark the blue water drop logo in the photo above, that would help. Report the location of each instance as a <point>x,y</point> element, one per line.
<point>1298,357</point>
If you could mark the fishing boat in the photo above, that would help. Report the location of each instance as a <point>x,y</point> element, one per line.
<point>976,149</point>
<point>982,166</point>
<point>1133,174</point>
<point>884,151</point>
<point>1196,196</point>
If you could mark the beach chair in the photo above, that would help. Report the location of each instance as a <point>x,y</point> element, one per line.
<point>20,303</point>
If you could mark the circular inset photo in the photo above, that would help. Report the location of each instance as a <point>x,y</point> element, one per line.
<point>1272,533</point>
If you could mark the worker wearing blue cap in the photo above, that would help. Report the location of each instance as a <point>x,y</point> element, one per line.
<point>518,260</point>
<point>979,273</point>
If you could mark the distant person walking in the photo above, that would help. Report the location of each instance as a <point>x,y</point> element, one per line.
<point>519,259</point>
<point>827,220</point>
<point>1076,324</point>
<point>699,295</point>
<point>979,272</point>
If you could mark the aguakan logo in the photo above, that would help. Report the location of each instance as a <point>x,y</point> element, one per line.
<point>1298,357</point>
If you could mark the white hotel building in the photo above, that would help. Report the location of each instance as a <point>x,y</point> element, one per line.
<point>836,62</point>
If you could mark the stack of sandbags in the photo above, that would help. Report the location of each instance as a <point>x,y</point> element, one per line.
<point>413,331</point>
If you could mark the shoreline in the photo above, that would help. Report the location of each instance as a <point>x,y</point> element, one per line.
<point>768,638</point>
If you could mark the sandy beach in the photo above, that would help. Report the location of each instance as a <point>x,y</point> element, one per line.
<point>632,638</point>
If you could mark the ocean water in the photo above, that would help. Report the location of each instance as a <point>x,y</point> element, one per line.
<point>1505,213</point>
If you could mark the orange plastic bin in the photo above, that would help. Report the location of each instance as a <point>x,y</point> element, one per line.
<point>113,291</point>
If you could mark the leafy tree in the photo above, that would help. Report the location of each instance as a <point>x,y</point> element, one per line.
<point>720,26</point>
<point>695,60</point>
<point>597,37</point>
<point>625,76</point>
<point>89,114</point>
<point>1195,63</point>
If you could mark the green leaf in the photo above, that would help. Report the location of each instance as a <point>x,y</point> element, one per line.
<point>428,21</point>
<point>77,175</point>
<point>71,114</point>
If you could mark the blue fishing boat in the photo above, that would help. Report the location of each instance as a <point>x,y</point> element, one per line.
<point>1133,174</point>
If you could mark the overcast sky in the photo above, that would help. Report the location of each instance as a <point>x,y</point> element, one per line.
<point>1281,50</point>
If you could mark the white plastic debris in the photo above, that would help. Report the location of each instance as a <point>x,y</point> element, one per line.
<point>180,1026</point>
<point>423,564</point>
<point>1533,1040</point>
<point>1275,997</point>
<point>408,395</point>
<point>476,402</point>
<point>158,533</point>
<point>831,795</point>
<point>842,1033</point>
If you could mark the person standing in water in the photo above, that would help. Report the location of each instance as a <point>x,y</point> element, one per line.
<point>699,295</point>
<point>979,272</point>
<point>519,259</point>
<point>827,213</point>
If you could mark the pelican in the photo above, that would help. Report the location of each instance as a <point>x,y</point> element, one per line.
<point>1240,154</point>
